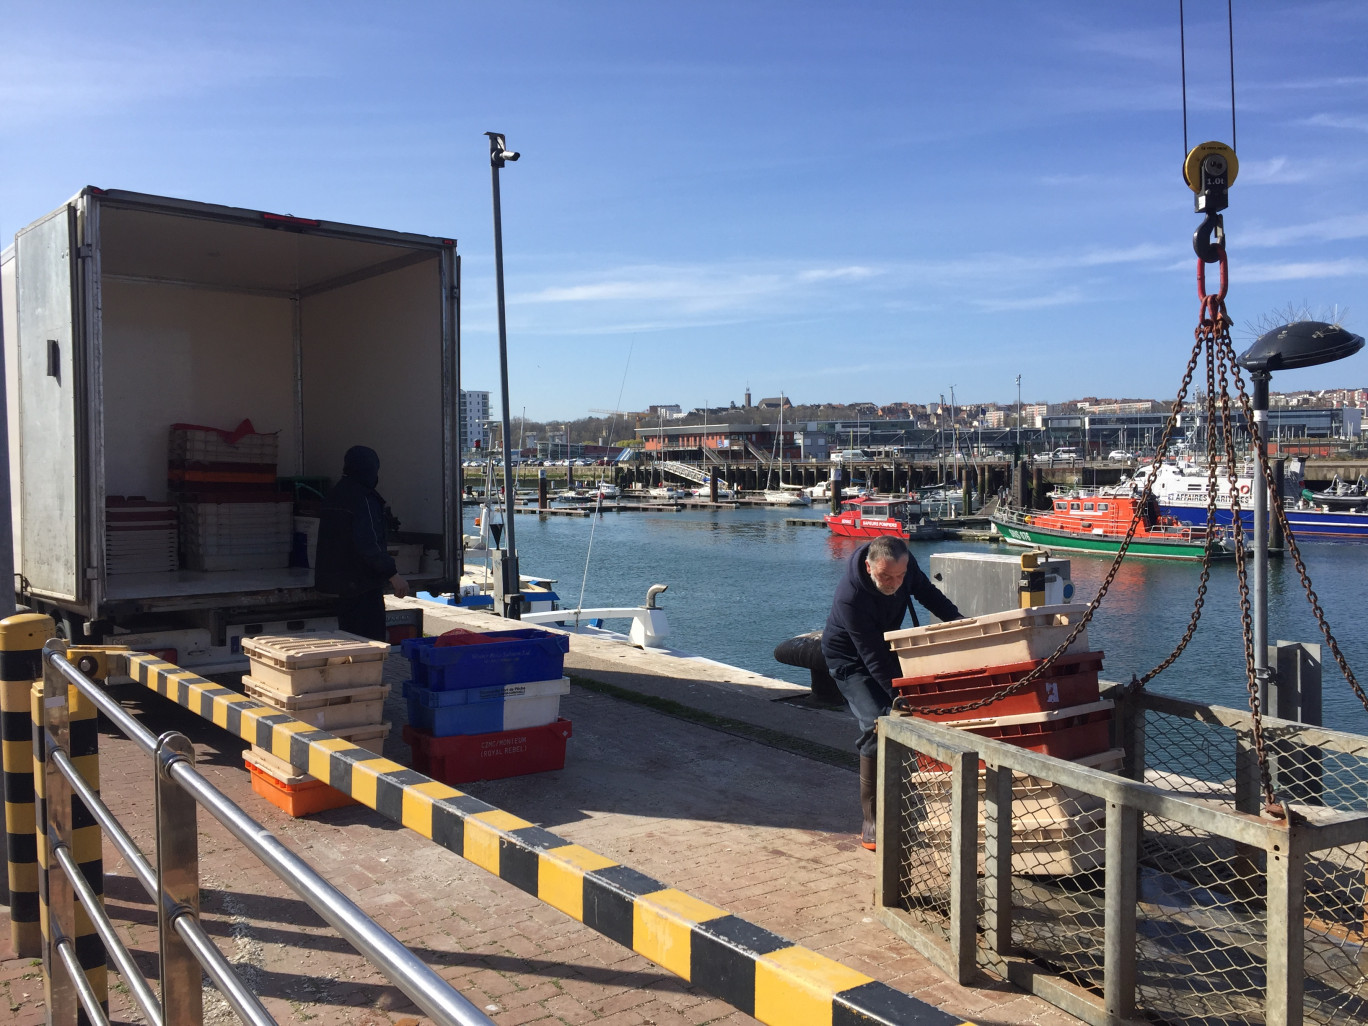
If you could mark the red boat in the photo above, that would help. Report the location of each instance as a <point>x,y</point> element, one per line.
<point>870,516</point>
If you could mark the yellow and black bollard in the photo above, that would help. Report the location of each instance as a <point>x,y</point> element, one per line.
<point>21,663</point>
<point>1032,581</point>
<point>86,842</point>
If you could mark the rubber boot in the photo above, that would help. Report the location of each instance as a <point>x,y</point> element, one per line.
<point>869,777</point>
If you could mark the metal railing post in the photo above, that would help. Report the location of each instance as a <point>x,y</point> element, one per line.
<point>56,899</point>
<point>1123,854</point>
<point>964,865</point>
<point>21,663</point>
<point>1286,971</point>
<point>182,998</point>
<point>997,867</point>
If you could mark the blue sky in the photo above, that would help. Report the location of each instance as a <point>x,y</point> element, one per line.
<point>872,201</point>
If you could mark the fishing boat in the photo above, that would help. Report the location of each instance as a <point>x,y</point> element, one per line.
<point>871,516</point>
<point>1083,523</point>
<point>1181,489</point>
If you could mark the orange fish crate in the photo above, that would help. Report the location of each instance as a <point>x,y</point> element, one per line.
<point>1070,733</point>
<point>303,798</point>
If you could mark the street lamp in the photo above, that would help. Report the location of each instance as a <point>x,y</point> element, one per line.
<point>507,584</point>
<point>1300,344</point>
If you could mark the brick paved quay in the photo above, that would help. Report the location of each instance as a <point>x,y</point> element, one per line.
<point>689,794</point>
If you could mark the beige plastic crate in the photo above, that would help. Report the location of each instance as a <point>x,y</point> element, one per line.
<point>978,642</point>
<point>1044,796</point>
<point>369,736</point>
<point>327,710</point>
<point>300,664</point>
<point>1041,845</point>
<point>277,767</point>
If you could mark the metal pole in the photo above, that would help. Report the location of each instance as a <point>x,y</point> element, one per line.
<point>454,572</point>
<point>498,154</point>
<point>1260,404</point>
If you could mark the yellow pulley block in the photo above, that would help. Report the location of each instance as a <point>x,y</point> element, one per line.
<point>1192,164</point>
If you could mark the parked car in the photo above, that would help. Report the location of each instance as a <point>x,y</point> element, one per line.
<point>1119,456</point>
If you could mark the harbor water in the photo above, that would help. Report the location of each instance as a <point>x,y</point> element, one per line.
<point>740,581</point>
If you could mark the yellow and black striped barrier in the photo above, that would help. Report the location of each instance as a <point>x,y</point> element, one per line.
<point>87,842</point>
<point>21,663</point>
<point>750,968</point>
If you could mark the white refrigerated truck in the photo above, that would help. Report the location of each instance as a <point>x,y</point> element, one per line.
<point>126,313</point>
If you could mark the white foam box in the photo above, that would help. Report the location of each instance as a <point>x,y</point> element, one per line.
<point>301,664</point>
<point>980,642</point>
<point>327,710</point>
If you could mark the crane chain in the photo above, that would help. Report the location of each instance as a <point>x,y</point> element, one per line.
<point>900,703</point>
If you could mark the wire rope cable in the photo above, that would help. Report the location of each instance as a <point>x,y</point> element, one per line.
<point>1182,64</point>
<point>598,502</point>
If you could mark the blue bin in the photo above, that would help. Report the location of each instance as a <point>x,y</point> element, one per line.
<point>484,710</point>
<point>518,657</point>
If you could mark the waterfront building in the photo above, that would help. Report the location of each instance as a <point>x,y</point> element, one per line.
<point>474,415</point>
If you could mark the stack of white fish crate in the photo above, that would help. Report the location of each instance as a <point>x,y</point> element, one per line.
<point>330,679</point>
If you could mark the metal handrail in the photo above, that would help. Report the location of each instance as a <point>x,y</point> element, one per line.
<point>419,983</point>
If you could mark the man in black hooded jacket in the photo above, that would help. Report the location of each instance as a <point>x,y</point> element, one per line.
<point>353,561</point>
<point>881,579</point>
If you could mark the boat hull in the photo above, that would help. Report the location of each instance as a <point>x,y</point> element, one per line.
<point>1032,535</point>
<point>1305,523</point>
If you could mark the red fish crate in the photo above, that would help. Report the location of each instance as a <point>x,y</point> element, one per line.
<point>493,756</point>
<point>1071,681</point>
<point>1071,733</point>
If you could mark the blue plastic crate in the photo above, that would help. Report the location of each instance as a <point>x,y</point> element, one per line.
<point>517,657</point>
<point>484,710</point>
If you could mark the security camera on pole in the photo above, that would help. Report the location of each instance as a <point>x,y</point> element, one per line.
<point>507,583</point>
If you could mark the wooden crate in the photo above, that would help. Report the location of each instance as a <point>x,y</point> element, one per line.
<point>327,710</point>
<point>300,664</point>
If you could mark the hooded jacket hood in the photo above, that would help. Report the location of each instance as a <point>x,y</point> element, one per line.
<point>362,463</point>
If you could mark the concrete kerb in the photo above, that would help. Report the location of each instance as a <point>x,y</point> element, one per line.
<point>754,970</point>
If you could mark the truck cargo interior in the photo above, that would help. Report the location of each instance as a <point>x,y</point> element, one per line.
<point>329,342</point>
<point>322,335</point>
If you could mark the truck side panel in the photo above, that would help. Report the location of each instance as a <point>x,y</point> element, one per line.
<point>372,375</point>
<point>9,330</point>
<point>48,385</point>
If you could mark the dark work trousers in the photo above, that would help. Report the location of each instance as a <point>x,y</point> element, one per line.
<point>867,701</point>
<point>363,614</point>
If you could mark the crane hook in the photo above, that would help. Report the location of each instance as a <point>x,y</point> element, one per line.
<point>1208,241</point>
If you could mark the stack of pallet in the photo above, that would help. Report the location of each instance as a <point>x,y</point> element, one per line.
<point>330,679</point>
<point>140,536</point>
<point>231,515</point>
<point>1060,713</point>
<point>483,706</point>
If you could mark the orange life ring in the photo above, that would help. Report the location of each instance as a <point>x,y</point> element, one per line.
<point>1244,489</point>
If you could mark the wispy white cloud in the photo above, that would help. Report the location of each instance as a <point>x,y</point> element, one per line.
<point>1330,229</point>
<point>43,82</point>
<point>1003,304</point>
<point>1305,269</point>
<point>838,274</point>
<point>655,297</point>
<point>1353,123</point>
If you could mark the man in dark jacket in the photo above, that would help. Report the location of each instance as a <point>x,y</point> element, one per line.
<point>880,582</point>
<point>353,561</point>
